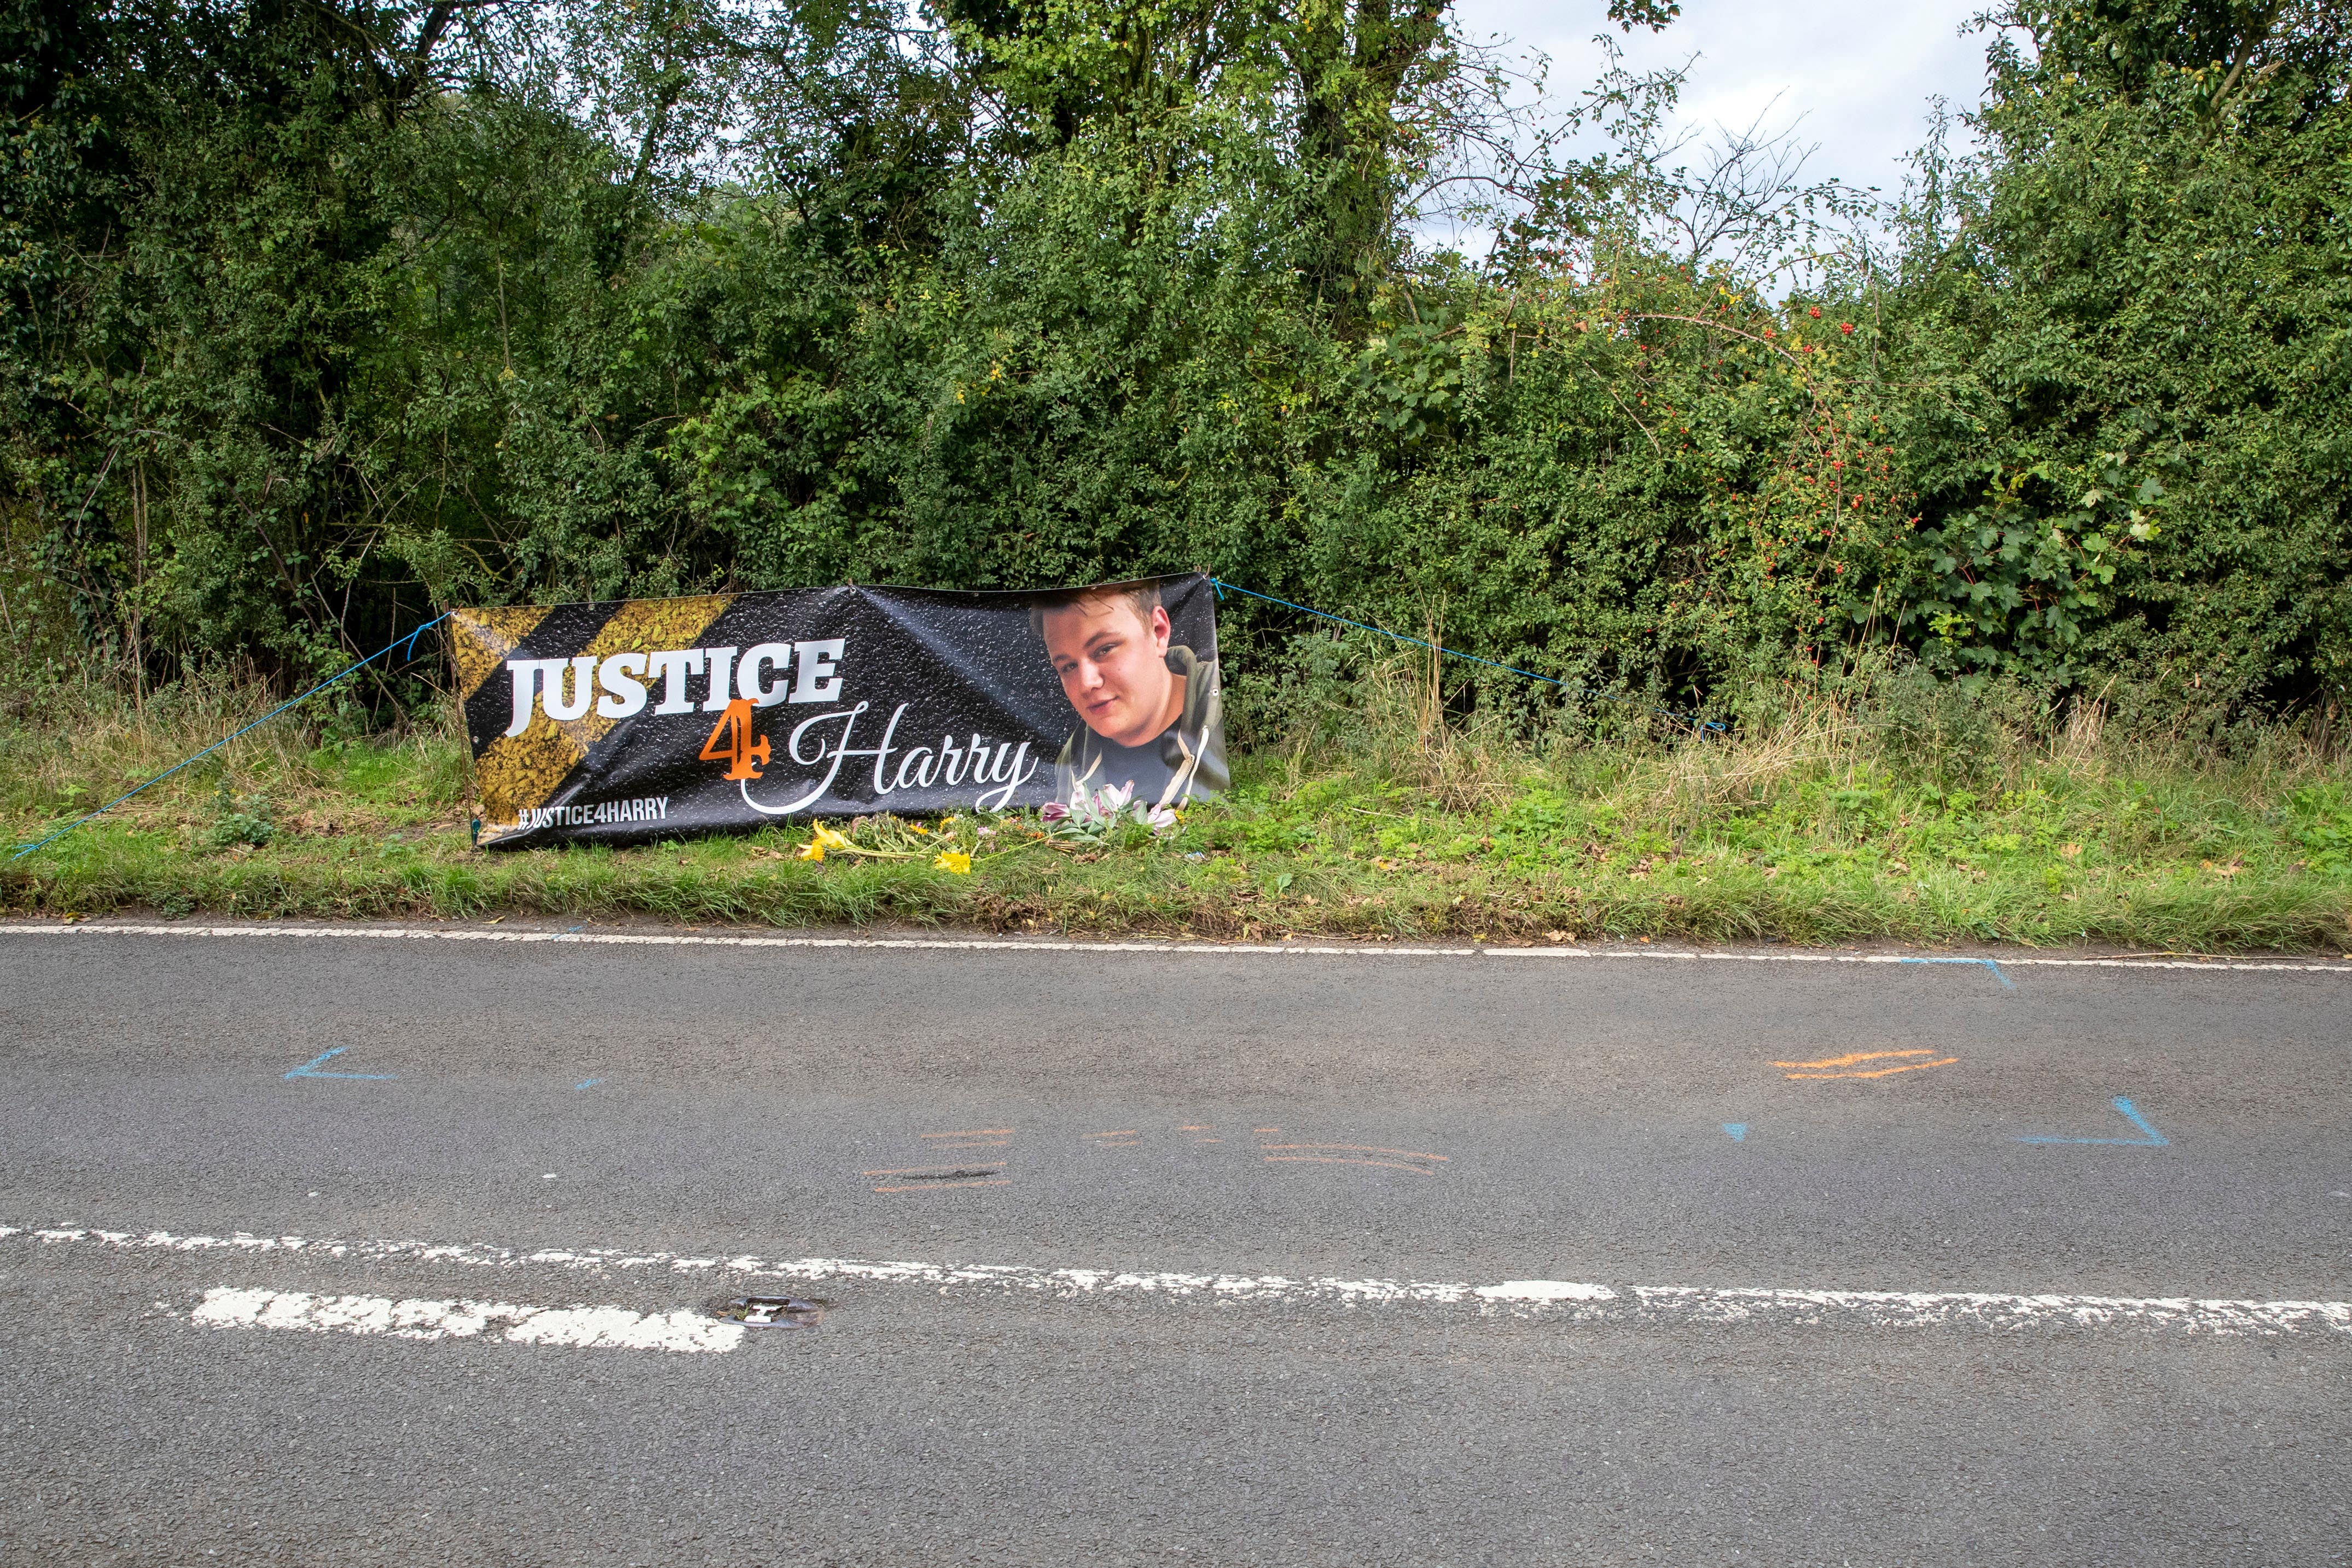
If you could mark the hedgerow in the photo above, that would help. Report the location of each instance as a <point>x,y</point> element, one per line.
<point>319,319</point>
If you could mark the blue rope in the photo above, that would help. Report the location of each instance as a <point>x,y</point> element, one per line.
<point>1221,585</point>
<point>408,644</point>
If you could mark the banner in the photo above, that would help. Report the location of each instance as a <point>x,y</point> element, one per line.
<point>645,719</point>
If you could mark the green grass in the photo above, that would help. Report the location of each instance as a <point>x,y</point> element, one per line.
<point>1823,825</point>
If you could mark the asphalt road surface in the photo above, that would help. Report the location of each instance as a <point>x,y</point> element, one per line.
<point>356,1248</point>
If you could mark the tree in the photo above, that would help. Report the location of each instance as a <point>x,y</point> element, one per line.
<point>2125,412</point>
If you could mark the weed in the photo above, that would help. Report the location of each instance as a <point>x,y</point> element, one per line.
<point>238,820</point>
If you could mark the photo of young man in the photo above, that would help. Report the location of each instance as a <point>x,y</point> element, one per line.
<point>1151,709</point>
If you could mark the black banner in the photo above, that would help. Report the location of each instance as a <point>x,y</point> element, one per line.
<point>645,719</point>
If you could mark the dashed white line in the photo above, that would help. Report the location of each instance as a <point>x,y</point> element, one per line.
<point>602,1328</point>
<point>1163,949</point>
<point>1583,1301</point>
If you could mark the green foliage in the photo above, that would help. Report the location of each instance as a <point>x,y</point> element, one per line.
<point>240,819</point>
<point>316,320</point>
<point>2115,357</point>
<point>2322,821</point>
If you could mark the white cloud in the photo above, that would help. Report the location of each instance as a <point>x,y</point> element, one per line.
<point>1854,75</point>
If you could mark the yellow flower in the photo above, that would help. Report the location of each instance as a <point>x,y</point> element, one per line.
<point>822,838</point>
<point>954,860</point>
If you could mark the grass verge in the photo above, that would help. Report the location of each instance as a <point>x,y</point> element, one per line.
<point>1371,820</point>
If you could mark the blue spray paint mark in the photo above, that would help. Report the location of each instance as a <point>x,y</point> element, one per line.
<point>1739,1130</point>
<point>310,1068</point>
<point>587,1083</point>
<point>2006,981</point>
<point>2152,1138</point>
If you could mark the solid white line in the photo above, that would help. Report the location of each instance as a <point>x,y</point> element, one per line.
<point>605,1328</point>
<point>1651,1305</point>
<point>1165,949</point>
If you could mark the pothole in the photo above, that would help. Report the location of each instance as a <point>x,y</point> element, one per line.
<point>767,1311</point>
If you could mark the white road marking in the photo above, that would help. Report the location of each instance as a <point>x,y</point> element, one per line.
<point>1649,1305</point>
<point>1165,949</point>
<point>615,1328</point>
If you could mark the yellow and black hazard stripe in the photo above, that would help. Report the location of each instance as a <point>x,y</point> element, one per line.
<point>514,774</point>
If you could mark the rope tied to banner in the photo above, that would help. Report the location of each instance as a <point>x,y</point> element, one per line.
<point>1690,718</point>
<point>407,644</point>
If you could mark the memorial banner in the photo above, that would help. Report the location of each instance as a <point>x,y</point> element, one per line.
<point>645,719</point>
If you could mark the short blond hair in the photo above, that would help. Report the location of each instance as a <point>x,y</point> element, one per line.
<point>1142,598</point>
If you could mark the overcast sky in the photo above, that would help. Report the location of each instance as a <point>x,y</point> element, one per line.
<point>1859,72</point>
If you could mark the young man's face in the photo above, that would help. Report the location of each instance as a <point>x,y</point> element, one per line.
<point>1114,667</point>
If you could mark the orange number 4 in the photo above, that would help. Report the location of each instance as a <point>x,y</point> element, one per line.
<point>731,741</point>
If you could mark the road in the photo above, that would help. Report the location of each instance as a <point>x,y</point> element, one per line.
<point>368,1248</point>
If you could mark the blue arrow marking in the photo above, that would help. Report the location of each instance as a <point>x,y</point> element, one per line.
<point>2152,1138</point>
<point>310,1068</point>
<point>1739,1130</point>
<point>2006,981</point>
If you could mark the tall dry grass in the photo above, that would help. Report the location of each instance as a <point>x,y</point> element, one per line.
<point>1395,728</point>
<point>75,745</point>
